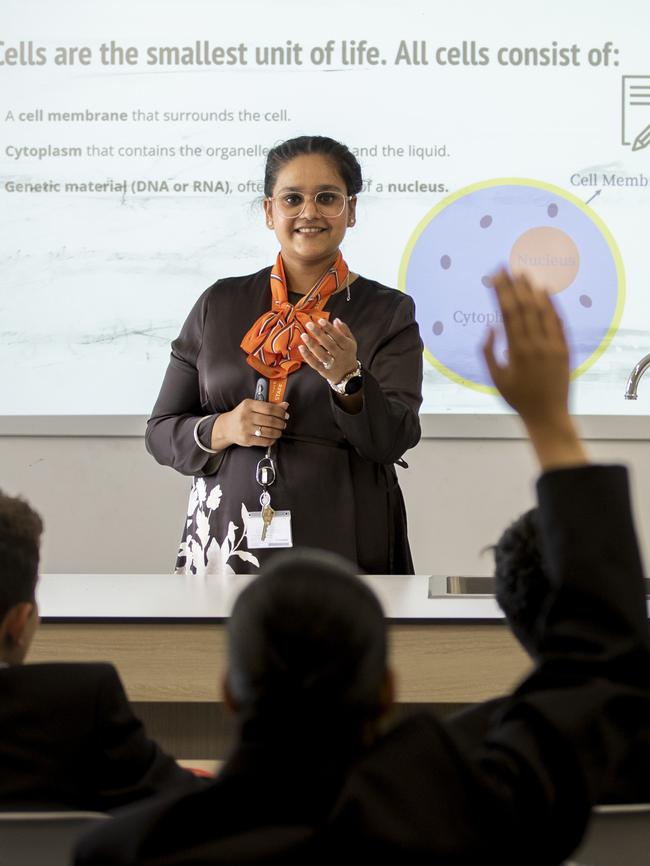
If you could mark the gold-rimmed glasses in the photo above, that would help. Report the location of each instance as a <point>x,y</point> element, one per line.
<point>329,203</point>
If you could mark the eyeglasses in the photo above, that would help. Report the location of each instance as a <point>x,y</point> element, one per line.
<point>328,203</point>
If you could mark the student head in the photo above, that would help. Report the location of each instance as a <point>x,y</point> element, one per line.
<point>522,587</point>
<point>308,653</point>
<point>20,533</point>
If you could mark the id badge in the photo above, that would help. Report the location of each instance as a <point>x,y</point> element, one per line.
<point>278,531</point>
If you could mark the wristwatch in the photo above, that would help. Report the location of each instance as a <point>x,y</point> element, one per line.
<point>350,383</point>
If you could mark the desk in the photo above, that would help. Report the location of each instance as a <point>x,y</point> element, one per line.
<point>166,636</point>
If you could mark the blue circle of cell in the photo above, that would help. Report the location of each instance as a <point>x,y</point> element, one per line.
<point>454,304</point>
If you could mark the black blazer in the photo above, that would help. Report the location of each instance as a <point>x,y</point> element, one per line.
<point>68,739</point>
<point>262,809</point>
<point>519,791</point>
<point>628,783</point>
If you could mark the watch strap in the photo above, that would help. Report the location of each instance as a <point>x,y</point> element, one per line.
<point>339,387</point>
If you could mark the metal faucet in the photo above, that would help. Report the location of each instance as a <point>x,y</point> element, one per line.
<point>635,377</point>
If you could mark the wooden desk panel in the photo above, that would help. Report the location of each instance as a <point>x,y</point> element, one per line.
<point>454,664</point>
<point>156,662</point>
<point>434,663</point>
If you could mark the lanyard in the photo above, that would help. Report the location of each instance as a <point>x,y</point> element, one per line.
<point>265,476</point>
<point>265,470</point>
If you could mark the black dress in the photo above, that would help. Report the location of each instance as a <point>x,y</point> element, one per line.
<point>335,470</point>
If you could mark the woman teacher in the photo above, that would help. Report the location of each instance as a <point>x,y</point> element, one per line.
<point>335,361</point>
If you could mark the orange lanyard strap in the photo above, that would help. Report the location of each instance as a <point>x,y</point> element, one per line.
<point>272,342</point>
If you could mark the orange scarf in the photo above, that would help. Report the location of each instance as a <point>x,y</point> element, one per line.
<point>272,342</point>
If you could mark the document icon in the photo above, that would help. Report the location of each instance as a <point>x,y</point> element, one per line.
<point>635,111</point>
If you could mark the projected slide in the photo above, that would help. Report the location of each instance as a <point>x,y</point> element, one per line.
<point>133,138</point>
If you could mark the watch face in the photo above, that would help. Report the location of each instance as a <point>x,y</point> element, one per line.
<point>353,385</point>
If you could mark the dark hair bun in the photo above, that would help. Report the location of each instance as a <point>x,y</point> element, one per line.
<point>345,161</point>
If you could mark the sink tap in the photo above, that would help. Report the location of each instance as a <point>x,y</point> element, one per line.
<point>635,376</point>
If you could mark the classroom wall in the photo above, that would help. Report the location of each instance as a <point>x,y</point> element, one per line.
<point>108,507</point>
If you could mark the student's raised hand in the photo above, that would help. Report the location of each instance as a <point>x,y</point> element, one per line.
<point>534,379</point>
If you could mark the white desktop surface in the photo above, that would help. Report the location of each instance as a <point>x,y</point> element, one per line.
<point>172,597</point>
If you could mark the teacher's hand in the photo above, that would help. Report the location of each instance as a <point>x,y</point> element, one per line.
<point>330,349</point>
<point>252,422</point>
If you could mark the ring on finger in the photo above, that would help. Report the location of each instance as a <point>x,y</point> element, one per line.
<point>329,363</point>
<point>258,432</point>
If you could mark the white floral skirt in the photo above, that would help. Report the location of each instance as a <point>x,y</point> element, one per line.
<point>212,543</point>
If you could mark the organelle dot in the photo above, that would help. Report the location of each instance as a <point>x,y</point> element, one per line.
<point>586,301</point>
<point>487,282</point>
<point>438,328</point>
<point>486,221</point>
<point>445,263</point>
<point>552,210</point>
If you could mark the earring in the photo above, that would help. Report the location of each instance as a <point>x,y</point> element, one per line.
<point>351,223</point>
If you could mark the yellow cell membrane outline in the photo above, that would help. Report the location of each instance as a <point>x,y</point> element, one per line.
<point>555,190</point>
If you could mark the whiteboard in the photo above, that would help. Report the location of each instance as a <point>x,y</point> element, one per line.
<point>133,145</point>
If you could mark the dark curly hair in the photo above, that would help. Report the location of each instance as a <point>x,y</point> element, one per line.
<point>523,589</point>
<point>342,157</point>
<point>20,534</point>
